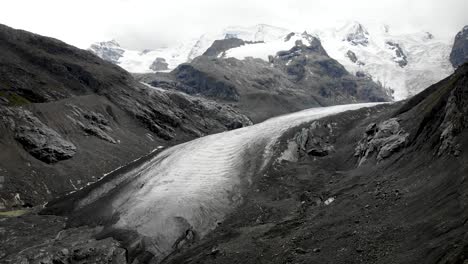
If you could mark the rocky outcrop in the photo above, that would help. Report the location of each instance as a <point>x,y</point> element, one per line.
<point>37,139</point>
<point>352,56</point>
<point>455,120</point>
<point>43,239</point>
<point>381,140</point>
<point>315,140</point>
<point>459,54</point>
<point>400,57</point>
<point>220,46</point>
<point>159,64</point>
<point>92,123</point>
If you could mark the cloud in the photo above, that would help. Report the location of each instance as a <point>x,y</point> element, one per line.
<point>143,24</point>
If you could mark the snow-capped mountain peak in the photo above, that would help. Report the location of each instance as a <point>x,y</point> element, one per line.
<point>356,34</point>
<point>108,50</point>
<point>403,63</point>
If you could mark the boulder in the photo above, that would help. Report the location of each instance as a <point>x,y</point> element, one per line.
<point>315,140</point>
<point>37,139</point>
<point>383,140</point>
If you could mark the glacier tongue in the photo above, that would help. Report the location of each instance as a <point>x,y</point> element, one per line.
<point>189,188</point>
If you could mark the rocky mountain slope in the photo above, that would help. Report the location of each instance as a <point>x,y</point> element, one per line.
<point>403,63</point>
<point>459,54</point>
<point>364,186</point>
<point>385,185</point>
<point>293,79</point>
<point>68,117</point>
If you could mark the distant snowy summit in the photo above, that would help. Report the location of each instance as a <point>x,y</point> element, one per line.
<point>108,50</point>
<point>404,64</point>
<point>145,61</point>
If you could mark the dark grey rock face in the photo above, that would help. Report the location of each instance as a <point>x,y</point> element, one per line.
<point>455,120</point>
<point>384,139</point>
<point>159,64</point>
<point>92,123</point>
<point>400,56</point>
<point>198,82</point>
<point>352,56</point>
<point>459,54</point>
<point>220,46</point>
<point>108,50</point>
<point>42,239</point>
<point>315,140</point>
<point>309,64</point>
<point>39,140</point>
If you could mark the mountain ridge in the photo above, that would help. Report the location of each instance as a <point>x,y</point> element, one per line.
<point>411,61</point>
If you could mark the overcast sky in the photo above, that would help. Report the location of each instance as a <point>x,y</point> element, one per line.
<point>143,24</point>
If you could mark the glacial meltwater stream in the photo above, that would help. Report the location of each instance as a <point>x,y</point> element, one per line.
<point>192,186</point>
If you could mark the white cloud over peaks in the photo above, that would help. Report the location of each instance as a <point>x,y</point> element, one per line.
<point>143,24</point>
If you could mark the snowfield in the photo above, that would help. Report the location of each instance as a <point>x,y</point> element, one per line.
<point>190,188</point>
<point>427,57</point>
<point>405,64</point>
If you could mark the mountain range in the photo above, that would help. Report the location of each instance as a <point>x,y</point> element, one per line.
<point>404,64</point>
<point>254,145</point>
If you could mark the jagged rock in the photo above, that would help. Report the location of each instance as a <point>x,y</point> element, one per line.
<point>44,143</point>
<point>159,64</point>
<point>220,46</point>
<point>42,239</point>
<point>455,120</point>
<point>459,54</point>
<point>384,139</point>
<point>315,140</point>
<point>352,56</point>
<point>92,123</point>
<point>400,56</point>
<point>96,131</point>
<point>289,36</point>
<point>37,139</point>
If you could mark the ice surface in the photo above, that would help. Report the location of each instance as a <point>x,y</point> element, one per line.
<point>194,185</point>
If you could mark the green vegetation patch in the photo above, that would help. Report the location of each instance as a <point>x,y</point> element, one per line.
<point>13,213</point>
<point>14,99</point>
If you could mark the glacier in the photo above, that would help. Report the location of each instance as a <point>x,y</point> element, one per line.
<point>191,187</point>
